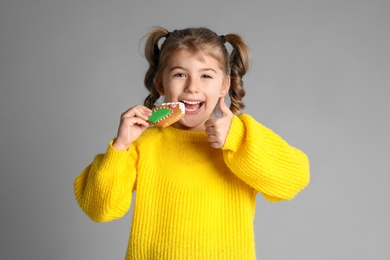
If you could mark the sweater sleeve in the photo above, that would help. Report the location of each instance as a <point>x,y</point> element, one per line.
<point>264,160</point>
<point>104,189</point>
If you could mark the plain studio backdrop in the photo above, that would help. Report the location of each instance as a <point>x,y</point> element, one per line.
<point>319,78</point>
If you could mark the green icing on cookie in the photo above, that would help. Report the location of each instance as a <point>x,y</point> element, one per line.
<point>158,114</point>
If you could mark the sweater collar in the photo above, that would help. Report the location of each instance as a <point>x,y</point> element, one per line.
<point>185,134</point>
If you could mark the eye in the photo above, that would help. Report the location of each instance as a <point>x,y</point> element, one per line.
<point>179,75</point>
<point>206,76</point>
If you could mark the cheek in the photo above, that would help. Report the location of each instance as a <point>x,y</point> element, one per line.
<point>218,92</point>
<point>213,99</point>
<point>165,87</point>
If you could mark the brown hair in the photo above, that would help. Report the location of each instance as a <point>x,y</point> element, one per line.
<point>200,41</point>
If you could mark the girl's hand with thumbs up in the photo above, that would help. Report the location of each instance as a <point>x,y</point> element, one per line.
<point>218,128</point>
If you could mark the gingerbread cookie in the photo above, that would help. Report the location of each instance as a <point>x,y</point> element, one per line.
<point>167,113</point>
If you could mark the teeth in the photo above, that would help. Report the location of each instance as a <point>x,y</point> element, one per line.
<point>181,106</point>
<point>191,102</point>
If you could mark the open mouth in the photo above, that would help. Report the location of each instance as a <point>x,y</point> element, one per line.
<point>192,107</point>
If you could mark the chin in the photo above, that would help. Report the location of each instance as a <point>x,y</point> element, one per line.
<point>188,125</point>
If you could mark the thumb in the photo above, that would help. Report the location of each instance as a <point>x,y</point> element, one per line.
<point>223,107</point>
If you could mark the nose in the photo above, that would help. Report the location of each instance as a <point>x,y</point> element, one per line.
<point>191,86</point>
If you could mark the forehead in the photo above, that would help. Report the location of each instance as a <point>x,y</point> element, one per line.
<point>186,57</point>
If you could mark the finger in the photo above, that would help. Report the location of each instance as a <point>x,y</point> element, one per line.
<point>138,111</point>
<point>223,107</point>
<point>130,121</point>
<point>210,130</point>
<point>211,138</point>
<point>216,145</point>
<point>209,123</point>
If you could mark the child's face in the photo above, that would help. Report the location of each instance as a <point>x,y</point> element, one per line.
<point>199,84</point>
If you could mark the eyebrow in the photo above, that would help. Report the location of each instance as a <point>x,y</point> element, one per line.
<point>204,69</point>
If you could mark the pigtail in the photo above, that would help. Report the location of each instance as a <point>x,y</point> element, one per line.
<point>152,54</point>
<point>239,64</point>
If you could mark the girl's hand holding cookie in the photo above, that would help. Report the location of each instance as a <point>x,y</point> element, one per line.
<point>218,128</point>
<point>133,123</point>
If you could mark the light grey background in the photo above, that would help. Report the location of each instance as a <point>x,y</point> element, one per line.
<point>320,78</point>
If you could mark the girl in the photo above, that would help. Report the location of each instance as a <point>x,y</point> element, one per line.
<point>196,181</point>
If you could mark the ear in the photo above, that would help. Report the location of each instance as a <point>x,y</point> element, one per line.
<point>225,86</point>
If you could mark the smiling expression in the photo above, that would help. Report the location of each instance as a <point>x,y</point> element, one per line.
<point>195,81</point>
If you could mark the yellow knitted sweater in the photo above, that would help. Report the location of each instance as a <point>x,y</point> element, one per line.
<point>192,201</point>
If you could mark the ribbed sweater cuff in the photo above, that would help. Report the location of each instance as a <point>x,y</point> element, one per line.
<point>113,155</point>
<point>236,135</point>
